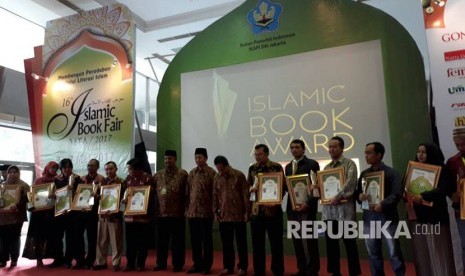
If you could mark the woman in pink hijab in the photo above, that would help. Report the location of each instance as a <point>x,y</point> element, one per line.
<point>39,226</point>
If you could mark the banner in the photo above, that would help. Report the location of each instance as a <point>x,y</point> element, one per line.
<point>84,107</point>
<point>445,30</point>
<point>284,71</point>
<point>259,103</point>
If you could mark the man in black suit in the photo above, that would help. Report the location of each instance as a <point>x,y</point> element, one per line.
<point>306,250</point>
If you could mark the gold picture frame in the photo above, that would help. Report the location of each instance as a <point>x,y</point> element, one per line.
<point>270,186</point>
<point>81,200</point>
<point>138,200</point>
<point>9,194</point>
<point>63,200</point>
<point>298,187</point>
<point>421,178</point>
<point>40,196</point>
<point>460,187</point>
<point>374,188</point>
<point>330,182</point>
<point>109,199</point>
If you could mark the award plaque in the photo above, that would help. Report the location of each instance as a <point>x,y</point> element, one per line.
<point>421,178</point>
<point>40,196</point>
<point>331,182</point>
<point>270,188</point>
<point>460,184</point>
<point>62,201</point>
<point>374,188</point>
<point>9,195</point>
<point>138,200</point>
<point>298,187</point>
<point>109,199</point>
<point>81,201</point>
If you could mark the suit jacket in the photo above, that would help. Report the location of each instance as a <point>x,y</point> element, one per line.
<point>304,166</point>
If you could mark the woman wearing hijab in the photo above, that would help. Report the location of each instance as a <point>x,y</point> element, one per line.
<point>432,248</point>
<point>39,226</point>
<point>11,221</point>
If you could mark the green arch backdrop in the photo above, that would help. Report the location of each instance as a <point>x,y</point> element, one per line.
<point>308,26</point>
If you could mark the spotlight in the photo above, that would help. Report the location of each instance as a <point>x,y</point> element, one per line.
<point>35,76</point>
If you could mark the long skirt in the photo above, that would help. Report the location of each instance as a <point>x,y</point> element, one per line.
<point>432,247</point>
<point>37,245</point>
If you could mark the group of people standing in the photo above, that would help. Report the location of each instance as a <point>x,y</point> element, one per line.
<point>204,195</point>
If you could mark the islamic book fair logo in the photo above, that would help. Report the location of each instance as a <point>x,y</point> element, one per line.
<point>264,17</point>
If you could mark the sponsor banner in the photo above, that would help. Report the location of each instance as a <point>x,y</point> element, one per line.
<point>86,104</point>
<point>445,30</point>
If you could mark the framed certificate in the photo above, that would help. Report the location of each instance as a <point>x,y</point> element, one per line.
<point>62,201</point>
<point>109,199</point>
<point>374,188</point>
<point>138,200</point>
<point>421,178</point>
<point>9,196</point>
<point>81,201</point>
<point>270,187</point>
<point>330,182</point>
<point>460,186</point>
<point>40,196</point>
<point>298,187</point>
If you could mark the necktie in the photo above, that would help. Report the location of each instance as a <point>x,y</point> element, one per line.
<point>294,166</point>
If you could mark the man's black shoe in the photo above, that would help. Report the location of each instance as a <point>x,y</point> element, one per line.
<point>99,267</point>
<point>193,270</point>
<point>158,268</point>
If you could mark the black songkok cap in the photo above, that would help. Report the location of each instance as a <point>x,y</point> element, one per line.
<point>171,153</point>
<point>202,151</point>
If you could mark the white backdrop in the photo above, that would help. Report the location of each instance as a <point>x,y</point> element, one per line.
<point>311,96</point>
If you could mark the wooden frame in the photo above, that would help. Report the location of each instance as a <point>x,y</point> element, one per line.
<point>327,181</point>
<point>270,186</point>
<point>63,200</point>
<point>138,200</point>
<point>374,187</point>
<point>421,178</point>
<point>109,199</point>
<point>10,195</point>
<point>82,197</point>
<point>298,187</point>
<point>40,196</point>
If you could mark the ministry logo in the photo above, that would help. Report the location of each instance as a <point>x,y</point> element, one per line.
<point>265,17</point>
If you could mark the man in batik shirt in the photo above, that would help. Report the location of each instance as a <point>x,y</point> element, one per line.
<point>230,208</point>
<point>171,184</point>
<point>341,208</point>
<point>266,219</point>
<point>199,212</point>
<point>138,226</point>
<point>87,221</point>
